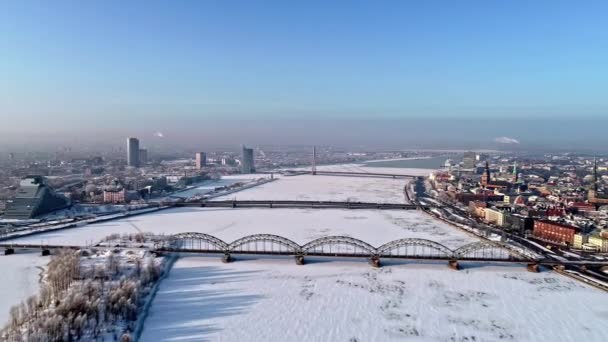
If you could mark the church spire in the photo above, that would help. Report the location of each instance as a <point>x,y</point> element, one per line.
<point>595,174</point>
<point>485,178</point>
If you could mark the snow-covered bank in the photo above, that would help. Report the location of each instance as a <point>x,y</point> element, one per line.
<point>211,185</point>
<point>21,275</point>
<point>276,300</point>
<point>301,225</point>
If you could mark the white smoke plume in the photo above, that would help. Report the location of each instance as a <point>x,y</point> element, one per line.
<point>159,134</point>
<point>506,140</point>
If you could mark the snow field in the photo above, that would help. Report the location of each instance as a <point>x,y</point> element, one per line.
<point>276,300</point>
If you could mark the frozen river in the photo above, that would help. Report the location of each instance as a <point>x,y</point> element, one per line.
<point>20,275</point>
<point>300,225</point>
<point>276,300</point>
<point>327,188</point>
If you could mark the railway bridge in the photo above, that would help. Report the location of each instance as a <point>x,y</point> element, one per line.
<point>345,246</point>
<point>412,249</point>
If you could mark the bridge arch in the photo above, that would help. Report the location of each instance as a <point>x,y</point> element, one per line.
<point>195,241</point>
<point>414,248</point>
<point>490,250</point>
<point>339,245</point>
<point>266,243</point>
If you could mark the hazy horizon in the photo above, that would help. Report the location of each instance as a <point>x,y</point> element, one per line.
<point>385,74</point>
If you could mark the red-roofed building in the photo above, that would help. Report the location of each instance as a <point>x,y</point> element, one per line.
<point>555,231</point>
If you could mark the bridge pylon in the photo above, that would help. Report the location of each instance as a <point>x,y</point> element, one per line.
<point>314,160</point>
<point>300,259</point>
<point>375,261</point>
<point>453,264</point>
<point>226,258</point>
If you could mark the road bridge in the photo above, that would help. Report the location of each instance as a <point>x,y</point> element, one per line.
<point>298,204</point>
<point>348,174</point>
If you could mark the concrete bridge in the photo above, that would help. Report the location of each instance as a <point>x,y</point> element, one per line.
<point>348,173</point>
<point>300,204</point>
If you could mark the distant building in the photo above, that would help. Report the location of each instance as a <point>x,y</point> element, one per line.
<point>11,156</point>
<point>469,160</point>
<point>114,196</point>
<point>595,197</point>
<point>519,224</point>
<point>247,165</point>
<point>477,208</point>
<point>201,160</point>
<point>143,156</point>
<point>580,240</point>
<point>467,197</point>
<point>34,198</point>
<point>600,242</point>
<point>488,183</point>
<point>555,231</point>
<point>494,216</point>
<point>133,152</point>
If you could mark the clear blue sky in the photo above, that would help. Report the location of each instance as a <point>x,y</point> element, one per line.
<point>95,62</point>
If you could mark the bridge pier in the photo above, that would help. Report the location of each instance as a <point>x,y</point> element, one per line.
<point>227,258</point>
<point>375,261</point>
<point>535,268</point>
<point>9,251</point>
<point>453,264</point>
<point>46,252</point>
<point>299,259</point>
<point>560,267</point>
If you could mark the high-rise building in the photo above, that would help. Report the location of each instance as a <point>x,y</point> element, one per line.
<point>143,156</point>
<point>201,160</point>
<point>133,152</point>
<point>468,162</point>
<point>247,165</point>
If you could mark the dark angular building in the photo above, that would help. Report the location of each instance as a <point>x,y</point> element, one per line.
<point>34,198</point>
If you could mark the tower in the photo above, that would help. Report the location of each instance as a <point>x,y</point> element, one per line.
<point>485,178</point>
<point>515,175</point>
<point>143,156</point>
<point>595,186</point>
<point>133,152</point>
<point>314,160</point>
<point>201,160</point>
<point>592,193</point>
<point>247,163</point>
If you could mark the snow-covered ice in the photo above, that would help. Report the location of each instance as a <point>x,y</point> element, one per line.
<point>327,188</point>
<point>276,300</point>
<point>20,279</point>
<point>211,184</point>
<point>301,225</point>
<point>367,169</point>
